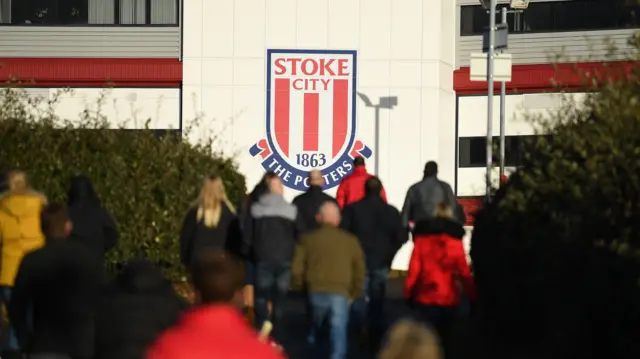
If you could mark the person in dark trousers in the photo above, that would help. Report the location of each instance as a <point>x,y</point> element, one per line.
<point>309,202</point>
<point>329,264</point>
<point>270,234</point>
<point>438,264</point>
<point>249,267</point>
<point>423,197</point>
<point>142,305</point>
<point>351,188</point>
<point>214,328</point>
<point>92,224</point>
<point>56,293</point>
<point>379,229</point>
<point>211,222</point>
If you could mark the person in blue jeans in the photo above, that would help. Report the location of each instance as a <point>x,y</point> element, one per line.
<point>270,234</point>
<point>329,264</point>
<point>379,229</point>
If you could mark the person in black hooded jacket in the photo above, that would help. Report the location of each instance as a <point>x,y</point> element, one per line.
<point>141,304</point>
<point>92,224</point>
<point>210,223</point>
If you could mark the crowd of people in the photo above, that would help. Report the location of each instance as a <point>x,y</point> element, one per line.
<point>243,261</point>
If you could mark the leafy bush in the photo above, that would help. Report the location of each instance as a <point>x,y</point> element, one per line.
<point>556,254</point>
<point>145,178</point>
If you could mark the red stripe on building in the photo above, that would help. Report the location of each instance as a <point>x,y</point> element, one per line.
<point>340,114</point>
<point>311,124</point>
<point>281,114</point>
<point>91,72</point>
<point>542,78</point>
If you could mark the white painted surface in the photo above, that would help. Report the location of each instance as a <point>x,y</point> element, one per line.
<point>124,107</point>
<point>472,122</point>
<point>405,49</point>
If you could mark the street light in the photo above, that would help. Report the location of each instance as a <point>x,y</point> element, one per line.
<point>384,102</point>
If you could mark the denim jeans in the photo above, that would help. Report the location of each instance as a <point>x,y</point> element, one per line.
<point>5,297</point>
<point>334,310</point>
<point>368,310</point>
<point>271,284</point>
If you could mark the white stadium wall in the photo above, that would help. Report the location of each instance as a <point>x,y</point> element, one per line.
<point>404,49</point>
<point>130,108</point>
<point>472,125</point>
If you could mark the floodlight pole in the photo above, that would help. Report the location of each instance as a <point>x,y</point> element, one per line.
<point>490,57</point>
<point>503,100</point>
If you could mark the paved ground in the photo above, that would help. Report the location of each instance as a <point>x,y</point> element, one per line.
<point>295,341</point>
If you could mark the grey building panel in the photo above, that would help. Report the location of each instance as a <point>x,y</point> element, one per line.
<point>585,46</point>
<point>110,41</point>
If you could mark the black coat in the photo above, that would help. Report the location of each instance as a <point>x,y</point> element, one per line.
<point>60,284</point>
<point>379,228</point>
<point>308,205</point>
<point>92,224</point>
<point>141,305</point>
<point>195,236</point>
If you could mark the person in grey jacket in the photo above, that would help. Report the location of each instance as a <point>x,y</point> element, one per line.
<point>423,197</point>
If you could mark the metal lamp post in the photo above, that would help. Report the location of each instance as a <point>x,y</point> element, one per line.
<point>386,103</point>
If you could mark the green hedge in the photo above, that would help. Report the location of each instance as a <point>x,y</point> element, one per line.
<point>145,178</point>
<point>556,254</point>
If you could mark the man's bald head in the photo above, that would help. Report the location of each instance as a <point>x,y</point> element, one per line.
<point>329,214</point>
<point>315,178</point>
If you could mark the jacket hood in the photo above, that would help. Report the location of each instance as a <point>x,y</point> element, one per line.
<point>439,226</point>
<point>81,191</point>
<point>23,204</point>
<point>140,276</point>
<point>273,205</point>
<point>360,170</point>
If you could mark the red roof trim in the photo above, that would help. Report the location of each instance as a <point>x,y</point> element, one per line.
<point>537,78</point>
<point>92,72</point>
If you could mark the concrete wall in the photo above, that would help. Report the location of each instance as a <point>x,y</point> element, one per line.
<point>404,49</point>
<point>124,107</point>
<point>518,108</point>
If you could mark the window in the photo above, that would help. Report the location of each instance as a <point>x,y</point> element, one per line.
<point>89,12</point>
<point>472,151</point>
<point>557,16</point>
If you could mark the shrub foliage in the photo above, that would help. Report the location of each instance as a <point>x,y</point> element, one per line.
<point>556,254</point>
<point>145,178</point>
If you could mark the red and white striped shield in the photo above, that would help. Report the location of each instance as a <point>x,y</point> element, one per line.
<point>311,122</point>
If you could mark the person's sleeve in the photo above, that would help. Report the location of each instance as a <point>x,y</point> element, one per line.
<point>18,305</point>
<point>406,210</point>
<point>248,225</point>
<point>300,226</point>
<point>451,196</point>
<point>341,194</point>
<point>359,270</point>
<point>347,219</point>
<point>298,265</point>
<point>413,273</point>
<point>110,231</point>
<point>187,236</point>
<point>464,270</point>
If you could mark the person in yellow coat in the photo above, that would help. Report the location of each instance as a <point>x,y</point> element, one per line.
<point>20,233</point>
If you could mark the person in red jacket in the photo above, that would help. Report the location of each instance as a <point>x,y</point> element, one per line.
<point>438,263</point>
<point>351,189</point>
<point>216,328</point>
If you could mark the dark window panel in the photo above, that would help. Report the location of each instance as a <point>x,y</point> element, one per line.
<point>472,151</point>
<point>556,16</point>
<point>569,16</point>
<point>76,12</point>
